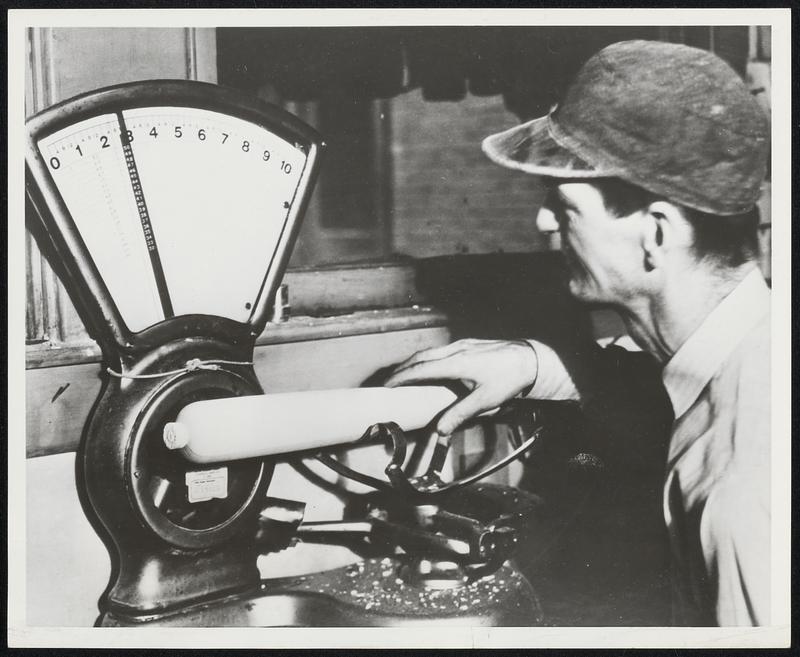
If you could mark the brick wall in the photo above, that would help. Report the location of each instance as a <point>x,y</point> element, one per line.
<point>447,196</point>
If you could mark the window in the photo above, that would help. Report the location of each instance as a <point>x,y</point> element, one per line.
<point>403,112</point>
<point>348,217</point>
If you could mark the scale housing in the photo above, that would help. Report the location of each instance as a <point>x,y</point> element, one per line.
<point>133,488</point>
<point>175,284</point>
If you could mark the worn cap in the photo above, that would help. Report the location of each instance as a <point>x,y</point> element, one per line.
<point>675,120</point>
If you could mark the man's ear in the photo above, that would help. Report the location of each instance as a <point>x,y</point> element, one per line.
<point>664,228</point>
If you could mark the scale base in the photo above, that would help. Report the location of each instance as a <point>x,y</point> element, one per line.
<point>365,594</point>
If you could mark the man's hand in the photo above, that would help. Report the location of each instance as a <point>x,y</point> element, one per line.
<point>493,370</point>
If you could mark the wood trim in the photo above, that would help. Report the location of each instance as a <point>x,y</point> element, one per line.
<point>57,321</point>
<point>296,329</point>
<point>41,69</point>
<point>34,292</point>
<point>326,290</point>
<point>382,143</point>
<point>41,283</point>
<point>205,44</point>
<point>301,329</point>
<point>191,53</point>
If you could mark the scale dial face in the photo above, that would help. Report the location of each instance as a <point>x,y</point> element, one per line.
<point>181,209</point>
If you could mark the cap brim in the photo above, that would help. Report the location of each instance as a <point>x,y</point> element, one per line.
<point>530,147</point>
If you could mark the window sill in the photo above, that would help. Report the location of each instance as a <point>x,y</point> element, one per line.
<point>295,329</point>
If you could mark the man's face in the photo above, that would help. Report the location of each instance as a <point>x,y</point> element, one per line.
<point>602,251</point>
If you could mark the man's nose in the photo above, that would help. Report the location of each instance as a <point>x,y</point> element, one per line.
<point>546,220</point>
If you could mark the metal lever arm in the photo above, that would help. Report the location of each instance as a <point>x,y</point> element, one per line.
<point>441,535</point>
<point>489,544</point>
<point>426,486</point>
<point>381,532</point>
<point>399,449</point>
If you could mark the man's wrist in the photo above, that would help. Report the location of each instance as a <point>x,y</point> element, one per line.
<point>551,379</point>
<point>526,391</point>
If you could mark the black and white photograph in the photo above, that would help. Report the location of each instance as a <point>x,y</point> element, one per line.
<point>399,328</point>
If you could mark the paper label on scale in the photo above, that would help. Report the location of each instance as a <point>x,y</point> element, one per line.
<point>204,485</point>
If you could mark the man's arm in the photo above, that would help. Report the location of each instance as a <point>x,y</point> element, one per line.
<point>494,371</point>
<point>553,381</point>
<point>620,392</point>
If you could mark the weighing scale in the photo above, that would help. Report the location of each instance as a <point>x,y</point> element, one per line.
<point>169,209</point>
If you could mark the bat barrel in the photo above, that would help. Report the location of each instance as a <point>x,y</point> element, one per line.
<point>235,428</point>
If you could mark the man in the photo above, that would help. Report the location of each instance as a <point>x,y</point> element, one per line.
<point>654,161</point>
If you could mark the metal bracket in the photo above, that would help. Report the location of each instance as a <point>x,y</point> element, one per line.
<point>428,485</point>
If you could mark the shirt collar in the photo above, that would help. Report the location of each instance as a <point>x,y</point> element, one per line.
<point>704,352</point>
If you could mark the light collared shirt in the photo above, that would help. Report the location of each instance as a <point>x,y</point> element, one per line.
<point>717,489</point>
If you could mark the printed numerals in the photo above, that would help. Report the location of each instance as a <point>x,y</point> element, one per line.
<point>92,144</point>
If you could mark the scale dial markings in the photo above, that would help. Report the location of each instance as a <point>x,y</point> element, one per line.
<point>190,221</point>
